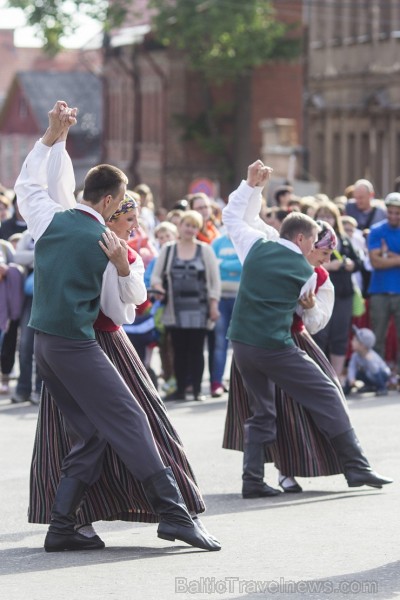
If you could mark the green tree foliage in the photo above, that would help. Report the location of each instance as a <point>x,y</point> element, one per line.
<point>223,39</point>
<point>53,19</point>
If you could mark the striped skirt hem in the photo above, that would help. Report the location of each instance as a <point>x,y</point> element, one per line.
<point>117,495</point>
<point>300,448</point>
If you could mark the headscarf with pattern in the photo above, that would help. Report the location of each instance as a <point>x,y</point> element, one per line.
<point>128,203</point>
<point>327,239</point>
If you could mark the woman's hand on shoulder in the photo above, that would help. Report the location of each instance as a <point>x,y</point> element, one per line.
<point>307,300</point>
<point>117,252</point>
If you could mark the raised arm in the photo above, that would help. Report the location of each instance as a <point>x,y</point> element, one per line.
<point>60,176</point>
<point>241,207</point>
<point>35,204</point>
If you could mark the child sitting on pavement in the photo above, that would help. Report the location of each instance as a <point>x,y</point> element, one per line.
<point>366,365</point>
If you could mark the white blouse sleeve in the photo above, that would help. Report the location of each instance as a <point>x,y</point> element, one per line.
<point>120,295</point>
<point>317,317</point>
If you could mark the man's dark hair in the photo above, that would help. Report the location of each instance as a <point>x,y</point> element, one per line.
<point>101,181</point>
<point>295,223</point>
<point>281,214</point>
<point>281,191</point>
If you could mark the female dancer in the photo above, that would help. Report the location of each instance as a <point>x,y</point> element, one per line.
<point>116,495</point>
<point>300,448</point>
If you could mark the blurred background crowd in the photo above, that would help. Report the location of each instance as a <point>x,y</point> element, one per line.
<point>192,287</point>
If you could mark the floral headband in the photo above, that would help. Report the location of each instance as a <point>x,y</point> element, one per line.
<point>327,239</point>
<point>127,204</point>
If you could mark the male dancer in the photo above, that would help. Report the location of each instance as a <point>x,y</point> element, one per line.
<point>72,249</point>
<point>275,275</point>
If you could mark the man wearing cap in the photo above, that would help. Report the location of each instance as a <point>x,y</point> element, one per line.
<point>384,288</point>
<point>366,365</point>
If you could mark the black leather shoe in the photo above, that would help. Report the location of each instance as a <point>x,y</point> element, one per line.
<point>58,542</point>
<point>253,473</point>
<point>197,521</point>
<point>193,536</point>
<point>356,478</point>
<point>356,467</point>
<point>61,534</point>
<point>253,489</point>
<point>164,496</point>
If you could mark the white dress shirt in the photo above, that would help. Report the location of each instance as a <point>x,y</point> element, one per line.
<point>45,186</point>
<point>245,227</point>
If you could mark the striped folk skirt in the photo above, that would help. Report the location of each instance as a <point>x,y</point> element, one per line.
<point>300,448</point>
<point>117,495</point>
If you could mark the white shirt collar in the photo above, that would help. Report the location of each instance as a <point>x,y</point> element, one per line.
<point>91,211</point>
<point>289,244</point>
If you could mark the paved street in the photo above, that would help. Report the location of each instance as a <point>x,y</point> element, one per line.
<point>343,542</point>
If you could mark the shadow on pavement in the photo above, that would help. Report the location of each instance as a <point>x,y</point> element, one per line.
<point>28,560</point>
<point>233,503</point>
<point>9,409</point>
<point>382,582</point>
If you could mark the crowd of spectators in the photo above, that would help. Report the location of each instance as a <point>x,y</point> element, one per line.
<point>366,262</point>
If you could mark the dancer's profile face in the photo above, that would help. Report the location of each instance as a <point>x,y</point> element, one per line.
<point>319,256</point>
<point>125,224</point>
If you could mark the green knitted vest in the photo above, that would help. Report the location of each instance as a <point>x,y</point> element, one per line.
<point>270,285</point>
<point>69,266</point>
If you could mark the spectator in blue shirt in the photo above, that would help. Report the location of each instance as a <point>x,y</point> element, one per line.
<point>230,269</point>
<point>384,289</point>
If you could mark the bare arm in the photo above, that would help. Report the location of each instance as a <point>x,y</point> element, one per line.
<point>384,260</point>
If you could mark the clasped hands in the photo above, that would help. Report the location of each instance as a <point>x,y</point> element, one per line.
<point>61,118</point>
<point>258,174</point>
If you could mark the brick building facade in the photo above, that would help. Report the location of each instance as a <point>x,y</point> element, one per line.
<point>353,108</point>
<point>147,90</point>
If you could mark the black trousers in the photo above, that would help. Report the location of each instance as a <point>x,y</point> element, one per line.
<point>8,347</point>
<point>98,408</point>
<point>188,345</point>
<point>300,377</point>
